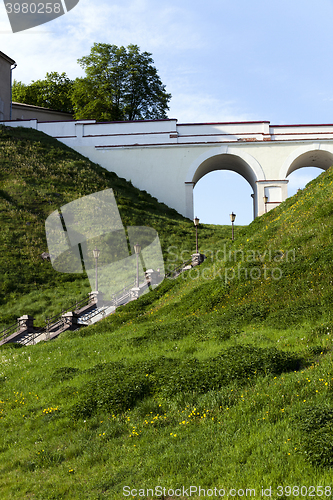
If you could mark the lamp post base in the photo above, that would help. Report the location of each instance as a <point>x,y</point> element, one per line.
<point>197,259</point>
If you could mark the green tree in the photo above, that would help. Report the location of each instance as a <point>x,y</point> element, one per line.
<point>53,92</point>
<point>120,84</point>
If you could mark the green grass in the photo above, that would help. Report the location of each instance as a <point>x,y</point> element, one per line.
<point>38,175</point>
<point>221,378</point>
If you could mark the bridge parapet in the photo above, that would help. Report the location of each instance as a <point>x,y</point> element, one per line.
<point>169,132</point>
<point>301,132</point>
<point>222,132</point>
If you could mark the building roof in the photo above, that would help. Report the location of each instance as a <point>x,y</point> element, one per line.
<point>32,107</point>
<point>8,59</point>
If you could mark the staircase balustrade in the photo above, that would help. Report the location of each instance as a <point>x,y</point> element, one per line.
<point>70,316</point>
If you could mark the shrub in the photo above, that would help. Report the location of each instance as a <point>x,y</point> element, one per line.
<point>64,373</point>
<point>116,388</point>
<point>316,424</point>
<point>240,363</point>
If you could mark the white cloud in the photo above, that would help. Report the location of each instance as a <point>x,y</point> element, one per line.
<point>194,107</point>
<point>57,45</point>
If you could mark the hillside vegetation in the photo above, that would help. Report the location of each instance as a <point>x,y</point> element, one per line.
<point>221,378</point>
<point>38,175</point>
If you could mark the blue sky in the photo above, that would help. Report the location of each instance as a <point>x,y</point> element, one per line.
<point>221,61</point>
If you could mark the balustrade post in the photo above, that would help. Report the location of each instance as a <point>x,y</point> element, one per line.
<point>47,337</point>
<point>26,322</point>
<point>70,318</point>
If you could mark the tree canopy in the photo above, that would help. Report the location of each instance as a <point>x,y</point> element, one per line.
<point>53,92</point>
<point>120,84</point>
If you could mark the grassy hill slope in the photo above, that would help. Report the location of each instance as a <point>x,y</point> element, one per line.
<point>38,175</point>
<point>220,378</point>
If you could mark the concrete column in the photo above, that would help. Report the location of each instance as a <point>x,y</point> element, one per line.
<point>189,210</point>
<point>79,132</point>
<point>276,192</point>
<point>254,196</point>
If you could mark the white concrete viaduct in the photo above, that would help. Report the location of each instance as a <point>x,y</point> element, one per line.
<point>167,159</point>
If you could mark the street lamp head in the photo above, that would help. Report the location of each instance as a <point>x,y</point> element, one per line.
<point>265,199</point>
<point>137,248</point>
<point>96,253</point>
<point>232,217</point>
<point>196,221</point>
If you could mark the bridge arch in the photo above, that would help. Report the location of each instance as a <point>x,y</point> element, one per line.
<point>311,155</point>
<point>223,158</point>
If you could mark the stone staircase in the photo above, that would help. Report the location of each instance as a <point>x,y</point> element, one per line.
<point>96,315</point>
<point>24,332</point>
<point>86,312</point>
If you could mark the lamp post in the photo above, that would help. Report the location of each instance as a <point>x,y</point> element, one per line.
<point>137,250</point>
<point>232,218</point>
<point>196,223</point>
<point>96,255</point>
<point>265,201</point>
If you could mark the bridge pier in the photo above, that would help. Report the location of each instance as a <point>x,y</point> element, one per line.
<point>276,192</point>
<point>189,205</point>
